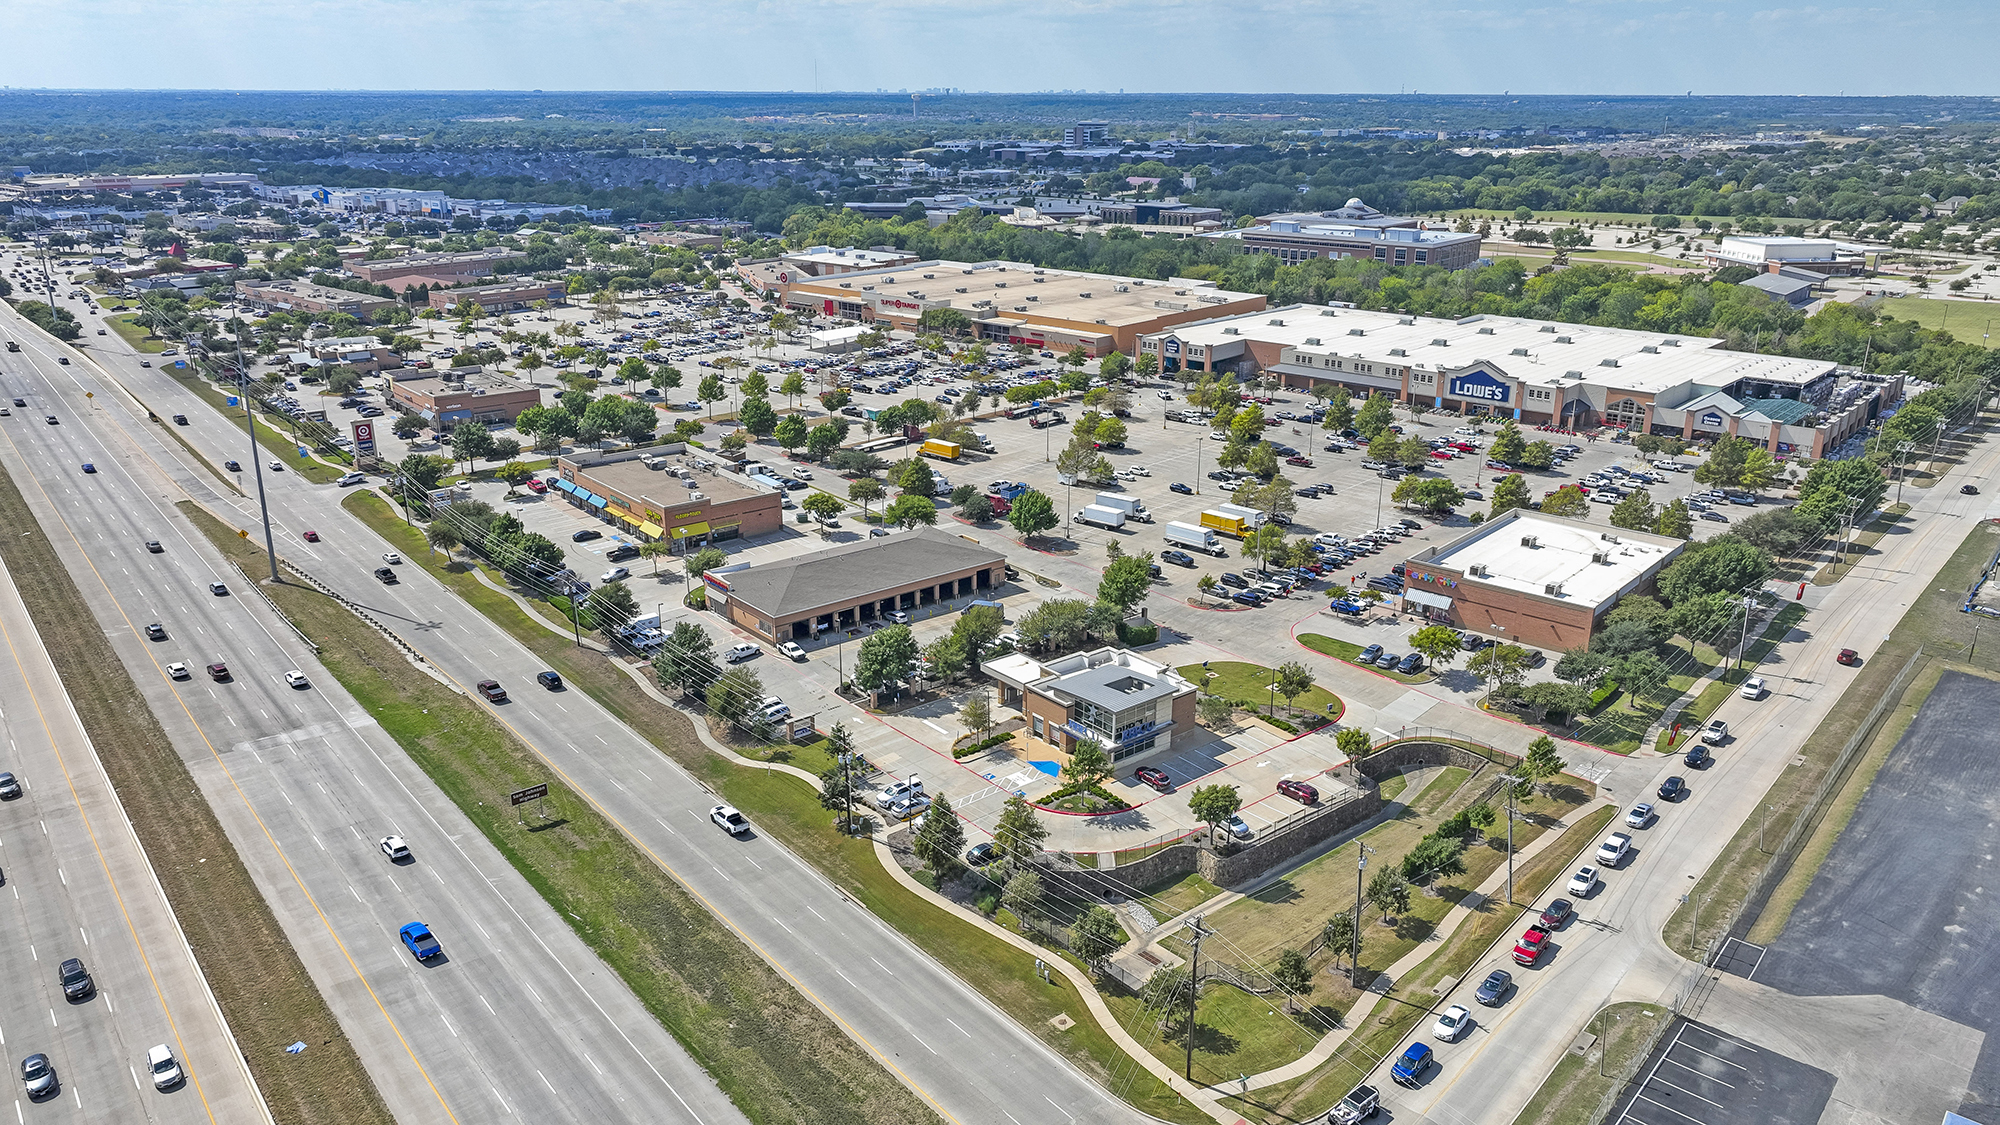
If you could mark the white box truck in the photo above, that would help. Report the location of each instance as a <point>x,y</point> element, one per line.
<point>1100,516</point>
<point>1192,538</point>
<point>1130,505</point>
<point>1251,517</point>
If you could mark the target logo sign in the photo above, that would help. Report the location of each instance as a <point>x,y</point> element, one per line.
<point>364,437</point>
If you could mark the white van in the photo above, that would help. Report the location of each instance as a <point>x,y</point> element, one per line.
<point>740,652</point>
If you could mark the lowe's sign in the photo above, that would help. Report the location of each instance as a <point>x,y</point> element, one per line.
<point>1478,386</point>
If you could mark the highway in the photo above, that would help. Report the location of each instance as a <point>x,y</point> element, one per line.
<point>964,1056</point>
<point>518,1019</point>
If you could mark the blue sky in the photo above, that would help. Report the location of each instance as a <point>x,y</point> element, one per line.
<point>1308,46</point>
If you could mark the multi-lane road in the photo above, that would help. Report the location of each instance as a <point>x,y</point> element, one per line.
<point>323,781</point>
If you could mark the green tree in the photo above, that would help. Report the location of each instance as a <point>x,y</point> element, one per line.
<point>886,658</point>
<point>945,658</point>
<point>1759,470</point>
<point>1376,415</point>
<point>1019,833</point>
<point>1568,501</point>
<point>1582,667</point>
<point>1724,466</point>
<point>1414,452</point>
<point>910,509</point>
<point>421,471</point>
<point>1354,743</point>
<point>1032,514</point>
<point>687,662</point>
<point>470,441</point>
<point>703,561</point>
<point>976,508</point>
<point>1510,491</point>
<point>1169,992</point>
<point>821,506</point>
<point>940,843</point>
<point>1501,668</point>
<point>710,391</point>
<point>1127,581</point>
<point>1435,495</point>
<point>1722,564</point>
<point>824,439</point>
<point>1508,445</point>
<point>1635,512</point>
<point>1088,764</point>
<point>757,416</point>
<point>406,426</point>
<point>611,605</point>
<point>733,693</point>
<point>1022,892</point>
<point>1640,674</point>
<point>1434,857</point>
<point>977,714</point>
<point>1337,936</point>
<point>865,491</point>
<point>1339,411</point>
<point>1293,680</point>
<point>755,385</point>
<point>1213,804</point>
<point>790,432</point>
<point>1293,976</point>
<point>1539,764</point>
<point>1675,521</point>
<point>793,386</point>
<point>442,537</point>
<point>1386,447</point>
<point>1095,935</point>
<point>1439,644</point>
<point>1389,892</point>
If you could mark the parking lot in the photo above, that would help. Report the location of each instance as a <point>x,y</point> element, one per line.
<point>1699,1076</point>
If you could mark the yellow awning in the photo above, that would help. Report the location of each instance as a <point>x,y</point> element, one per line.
<point>652,529</point>
<point>621,513</point>
<point>691,529</point>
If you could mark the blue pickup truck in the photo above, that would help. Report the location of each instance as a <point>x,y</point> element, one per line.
<point>423,945</point>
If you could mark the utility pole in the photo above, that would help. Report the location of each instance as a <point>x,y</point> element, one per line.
<point>1194,990</point>
<point>1510,843</point>
<point>1354,955</point>
<point>250,427</point>
<point>1902,450</point>
<point>1748,601</point>
<point>1847,521</point>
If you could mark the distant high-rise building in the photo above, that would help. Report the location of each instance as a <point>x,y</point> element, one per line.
<point>1087,133</point>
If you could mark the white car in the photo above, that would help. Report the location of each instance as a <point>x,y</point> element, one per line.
<point>729,820</point>
<point>1639,815</point>
<point>1451,1023</point>
<point>394,848</point>
<point>1583,882</point>
<point>1753,688</point>
<point>297,679</point>
<point>909,807</point>
<point>897,617</point>
<point>791,649</point>
<point>177,671</point>
<point>1139,470</point>
<point>615,574</point>
<point>1716,731</point>
<point>1612,851</point>
<point>392,558</point>
<point>166,1069</point>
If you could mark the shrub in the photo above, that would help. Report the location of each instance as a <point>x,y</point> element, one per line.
<point>971,748</point>
<point>1134,635</point>
<point>1098,791</point>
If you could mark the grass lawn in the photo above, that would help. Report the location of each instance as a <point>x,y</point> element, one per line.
<point>1307,1098</point>
<point>789,809</point>
<point>1965,320</point>
<point>1236,680</point>
<point>1861,546</point>
<point>1170,898</point>
<point>1236,1032</point>
<point>1392,786</point>
<point>1346,651</point>
<point>134,334</point>
<point>1432,799</point>
<point>1934,623</point>
<point>1696,714</point>
<point>1574,1090</point>
<point>776,1054</point>
<point>276,442</point>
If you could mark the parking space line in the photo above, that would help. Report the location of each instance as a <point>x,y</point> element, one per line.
<point>1717,1058</point>
<point>1688,1092</point>
<point>1709,1077</point>
<point>1662,1105</point>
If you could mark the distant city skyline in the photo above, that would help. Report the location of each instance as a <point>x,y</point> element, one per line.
<point>1614,47</point>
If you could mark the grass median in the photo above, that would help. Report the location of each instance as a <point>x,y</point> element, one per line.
<point>263,988</point>
<point>1576,1090</point>
<point>789,810</point>
<point>779,1057</point>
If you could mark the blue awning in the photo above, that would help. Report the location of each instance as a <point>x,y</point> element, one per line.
<point>585,495</point>
<point>562,484</point>
<point>597,501</point>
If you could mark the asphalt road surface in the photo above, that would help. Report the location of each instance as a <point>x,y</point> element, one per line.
<point>917,1018</point>
<point>519,1018</point>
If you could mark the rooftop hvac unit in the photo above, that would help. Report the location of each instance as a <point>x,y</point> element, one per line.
<point>1546,328</point>
<point>1398,351</point>
<point>1518,351</point>
<point>960,289</point>
<point>1671,342</point>
<point>1478,570</point>
<point>1607,537</point>
<point>1440,342</point>
<point>999,285</point>
<point>1600,557</point>
<point>1357,332</point>
<point>1085,294</point>
<point>1121,289</point>
<point>1326,312</point>
<point>929,276</point>
<point>1407,320</point>
<point>1486,332</point>
<point>1312,341</point>
<point>1564,340</point>
<point>1530,541</point>
<point>1230,332</point>
<point>1039,279</point>
<point>1607,362</point>
<point>1275,323</point>
<point>1553,589</point>
<point>1650,349</point>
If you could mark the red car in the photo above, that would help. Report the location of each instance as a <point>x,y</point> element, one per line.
<point>1303,462</point>
<point>1155,778</point>
<point>1849,656</point>
<point>1558,912</point>
<point>1299,791</point>
<point>1529,948</point>
<point>1463,447</point>
<point>1443,455</point>
<point>312,536</point>
<point>535,485</point>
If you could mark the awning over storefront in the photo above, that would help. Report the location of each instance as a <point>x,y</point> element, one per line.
<point>691,529</point>
<point>562,484</point>
<point>652,529</point>
<point>1435,601</point>
<point>597,501</point>
<point>621,513</point>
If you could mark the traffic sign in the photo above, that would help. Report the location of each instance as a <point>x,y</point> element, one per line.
<point>531,793</point>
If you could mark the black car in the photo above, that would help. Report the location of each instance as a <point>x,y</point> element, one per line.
<point>1231,578</point>
<point>180,419</point>
<point>75,979</point>
<point>156,632</point>
<point>622,552</point>
<point>387,575</point>
<point>1183,489</point>
<point>1178,558</point>
<point>1494,988</point>
<point>1673,789</point>
<point>20,402</point>
<point>1968,489</point>
<point>549,680</point>
<point>1412,664</point>
<point>1221,476</point>
<point>586,535</point>
<point>1697,757</point>
<point>232,466</point>
<point>979,855</point>
<point>1248,597</point>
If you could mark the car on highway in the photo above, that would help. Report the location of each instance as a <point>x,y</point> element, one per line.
<point>1848,657</point>
<point>1613,850</point>
<point>297,679</point>
<point>729,820</point>
<point>550,680</point>
<point>394,848</point>
<point>1360,1104</point>
<point>386,575</point>
<point>1452,1023</point>
<point>418,939</point>
<point>75,979</point>
<point>1412,1065</point>
<point>177,671</point>
<point>392,558</point>
<point>1639,815</point>
<point>1529,948</point>
<point>233,466</point>
<point>1494,988</point>
<point>277,466</point>
<point>38,1076</point>
<point>89,468</point>
<point>1968,490</point>
<point>1697,757</point>
<point>1557,912</point>
<point>979,855</point>
<point>218,671</point>
<point>51,420</point>
<point>1299,791</point>
<point>1180,488</point>
<point>492,690</point>
<point>1753,688</point>
<point>20,402</point>
<point>1153,777</point>
<point>1583,882</point>
<point>586,535</point>
<point>1716,731</point>
<point>153,545</point>
<point>1672,789</point>
<point>156,632</point>
<point>218,589</point>
<point>164,1067</point>
<point>310,536</point>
